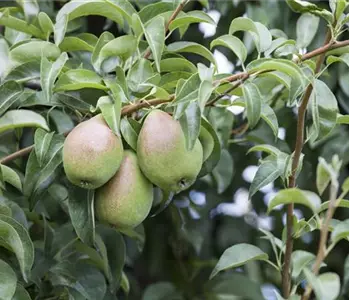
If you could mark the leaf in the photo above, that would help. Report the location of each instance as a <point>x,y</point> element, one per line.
<point>307,26</point>
<point>155,32</point>
<point>301,6</point>
<point>21,118</point>
<point>324,110</point>
<point>33,51</point>
<point>21,293</point>
<point>81,211</point>
<point>10,91</point>
<point>45,23</point>
<point>238,255</point>
<point>253,100</point>
<point>103,40</point>
<point>300,260</point>
<point>177,64</point>
<point>211,162</point>
<point>345,276</point>
<point>139,74</point>
<point>24,72</point>
<point>195,16</point>
<point>190,123</point>
<point>295,195</point>
<point>74,43</point>
<point>16,238</point>
<point>342,119</point>
<point>49,73</point>
<point>233,285</point>
<point>192,47</point>
<point>340,231</point>
<point>8,281</point>
<point>233,43</point>
<point>78,79</point>
<point>115,253</point>
<point>323,176</point>
<point>188,92</point>
<point>42,141</point>
<point>265,37</point>
<point>114,10</point>
<point>223,172</point>
<point>30,8</point>
<point>161,290</point>
<point>167,197</point>
<point>122,47</point>
<point>128,133</point>
<point>73,102</point>
<point>267,172</point>
<point>110,112</point>
<point>342,203</point>
<point>326,286</point>
<point>11,177</point>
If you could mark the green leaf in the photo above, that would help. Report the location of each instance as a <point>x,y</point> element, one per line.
<point>326,286</point>
<point>345,276</point>
<point>154,32</point>
<point>192,47</point>
<point>42,142</point>
<point>115,255</point>
<point>342,203</point>
<point>140,73</point>
<point>195,16</point>
<point>30,8</point>
<point>267,172</point>
<point>189,92</point>
<point>245,24</point>
<point>235,284</point>
<point>103,40</point>
<point>79,79</point>
<point>11,177</point>
<point>238,255</point>
<point>110,112</point>
<point>340,231</point>
<point>265,148</point>
<point>324,110</point>
<point>21,118</point>
<point>342,119</point>
<point>253,100</point>
<point>307,26</point>
<point>73,43</point>
<point>128,133</point>
<point>21,293</point>
<point>300,260</point>
<point>265,37</point>
<point>16,238</point>
<point>114,10</point>
<point>122,47</point>
<point>211,162</point>
<point>20,25</point>
<point>161,290</point>
<point>9,93</point>
<point>152,10</point>
<point>49,73</point>
<point>166,199</point>
<point>301,6</point>
<point>74,102</point>
<point>338,7</point>
<point>232,43</point>
<point>45,23</point>
<point>344,58</point>
<point>190,123</point>
<point>8,281</point>
<point>33,51</point>
<point>224,171</point>
<point>81,211</point>
<point>177,64</point>
<point>295,195</point>
<point>323,175</point>
<point>24,72</point>
<point>4,58</point>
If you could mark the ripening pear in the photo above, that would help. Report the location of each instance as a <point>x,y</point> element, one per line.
<point>126,200</point>
<point>163,155</point>
<point>92,153</point>
<point>207,142</point>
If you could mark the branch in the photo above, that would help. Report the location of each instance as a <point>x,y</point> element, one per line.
<point>327,47</point>
<point>286,280</point>
<point>127,110</point>
<point>173,16</point>
<point>321,254</point>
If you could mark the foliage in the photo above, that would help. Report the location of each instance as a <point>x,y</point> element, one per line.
<point>61,62</point>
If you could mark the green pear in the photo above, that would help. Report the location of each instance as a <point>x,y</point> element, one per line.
<point>163,155</point>
<point>207,142</point>
<point>126,200</point>
<point>92,153</point>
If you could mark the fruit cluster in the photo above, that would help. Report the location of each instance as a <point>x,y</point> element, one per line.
<point>94,158</point>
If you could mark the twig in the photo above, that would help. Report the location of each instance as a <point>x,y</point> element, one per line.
<point>286,280</point>
<point>327,47</point>
<point>321,254</point>
<point>173,16</point>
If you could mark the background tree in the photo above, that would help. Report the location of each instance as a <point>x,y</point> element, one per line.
<point>268,81</point>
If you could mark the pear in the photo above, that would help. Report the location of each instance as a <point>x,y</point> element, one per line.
<point>92,153</point>
<point>163,155</point>
<point>207,142</point>
<point>126,200</point>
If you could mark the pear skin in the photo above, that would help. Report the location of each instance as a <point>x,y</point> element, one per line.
<point>126,200</point>
<point>163,155</point>
<point>92,153</point>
